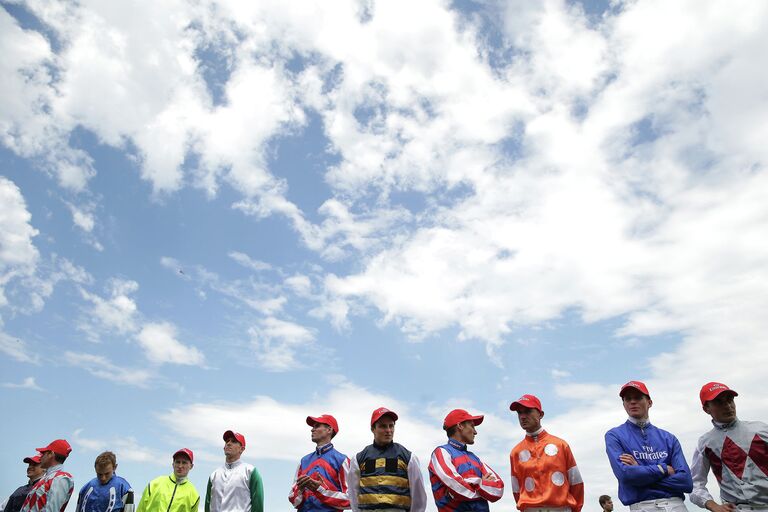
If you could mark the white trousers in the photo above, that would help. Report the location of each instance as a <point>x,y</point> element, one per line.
<point>661,505</point>
<point>752,508</point>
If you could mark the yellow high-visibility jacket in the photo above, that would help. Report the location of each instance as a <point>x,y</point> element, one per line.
<point>164,494</point>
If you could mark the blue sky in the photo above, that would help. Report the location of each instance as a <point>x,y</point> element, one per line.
<point>227,215</point>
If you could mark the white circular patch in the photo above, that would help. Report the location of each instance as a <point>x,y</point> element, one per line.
<point>524,456</point>
<point>530,484</point>
<point>550,450</point>
<point>558,478</point>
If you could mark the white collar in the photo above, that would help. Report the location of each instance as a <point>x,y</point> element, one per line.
<point>642,423</point>
<point>534,434</point>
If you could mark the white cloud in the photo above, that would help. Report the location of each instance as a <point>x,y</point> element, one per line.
<point>16,247</point>
<point>18,255</point>
<point>26,279</point>
<point>17,349</point>
<point>127,80</point>
<point>563,56</point>
<point>118,313</point>
<point>337,310</point>
<point>27,383</point>
<point>125,448</point>
<point>343,231</point>
<point>433,110</point>
<point>103,368</point>
<point>31,292</point>
<point>588,218</point>
<point>248,262</point>
<point>262,297</point>
<point>82,218</point>
<point>30,126</point>
<point>235,135</point>
<point>300,284</point>
<point>161,346</point>
<point>277,342</point>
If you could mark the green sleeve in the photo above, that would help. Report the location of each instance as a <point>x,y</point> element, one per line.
<point>144,502</point>
<point>257,491</point>
<point>208,497</point>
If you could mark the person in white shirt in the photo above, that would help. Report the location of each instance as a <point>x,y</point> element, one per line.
<point>236,486</point>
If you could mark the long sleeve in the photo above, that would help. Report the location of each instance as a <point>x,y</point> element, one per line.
<point>514,477</point>
<point>353,483</point>
<point>208,493</point>
<point>257,491</point>
<point>144,502</point>
<point>444,470</point>
<point>416,482</point>
<point>124,490</point>
<point>296,496</point>
<point>80,496</point>
<point>492,489</point>
<point>639,475</point>
<point>681,481</point>
<point>59,494</point>
<point>699,474</point>
<point>336,499</point>
<point>575,481</point>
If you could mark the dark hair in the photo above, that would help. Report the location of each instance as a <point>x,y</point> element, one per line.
<point>104,459</point>
<point>451,430</point>
<point>60,458</point>
<point>383,416</point>
<point>603,499</point>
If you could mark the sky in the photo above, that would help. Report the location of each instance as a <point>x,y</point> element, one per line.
<point>231,215</point>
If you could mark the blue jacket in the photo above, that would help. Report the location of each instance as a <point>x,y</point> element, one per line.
<point>95,497</point>
<point>653,449</point>
<point>331,467</point>
<point>16,500</point>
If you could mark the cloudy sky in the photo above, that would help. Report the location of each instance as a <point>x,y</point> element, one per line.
<point>232,214</point>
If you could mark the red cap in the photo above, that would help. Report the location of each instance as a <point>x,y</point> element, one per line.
<point>59,447</point>
<point>456,416</point>
<point>240,438</point>
<point>712,390</point>
<point>635,384</point>
<point>325,419</point>
<point>527,401</point>
<point>378,413</point>
<point>32,460</point>
<point>187,452</point>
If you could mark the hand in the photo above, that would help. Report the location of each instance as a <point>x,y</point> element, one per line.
<point>489,476</point>
<point>302,481</point>
<point>670,470</point>
<point>725,507</point>
<point>312,484</point>
<point>627,459</point>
